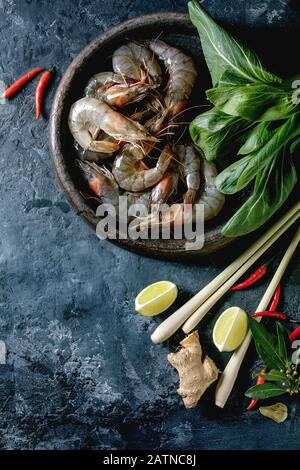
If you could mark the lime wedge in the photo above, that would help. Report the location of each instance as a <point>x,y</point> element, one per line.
<point>156,298</point>
<point>230,329</point>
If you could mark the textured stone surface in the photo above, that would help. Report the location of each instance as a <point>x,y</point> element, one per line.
<point>81,371</point>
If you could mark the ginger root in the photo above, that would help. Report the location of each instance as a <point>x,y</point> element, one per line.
<point>195,376</point>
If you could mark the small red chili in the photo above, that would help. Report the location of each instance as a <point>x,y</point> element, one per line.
<point>267,313</point>
<point>258,274</point>
<point>275,300</point>
<point>12,90</point>
<point>40,89</point>
<point>295,334</point>
<point>260,381</point>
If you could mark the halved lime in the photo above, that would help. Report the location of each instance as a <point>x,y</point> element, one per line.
<point>156,298</point>
<point>230,329</point>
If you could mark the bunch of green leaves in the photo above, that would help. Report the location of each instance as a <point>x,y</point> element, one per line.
<point>283,376</point>
<point>254,117</point>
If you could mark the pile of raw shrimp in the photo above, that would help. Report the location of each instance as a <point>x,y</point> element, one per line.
<point>126,131</point>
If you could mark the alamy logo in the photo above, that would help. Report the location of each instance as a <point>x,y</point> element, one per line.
<point>177,221</point>
<point>296,354</point>
<point>296,93</point>
<point>2,89</point>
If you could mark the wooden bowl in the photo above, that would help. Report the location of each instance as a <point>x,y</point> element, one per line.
<point>177,30</point>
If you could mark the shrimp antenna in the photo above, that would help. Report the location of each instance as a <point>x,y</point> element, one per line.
<point>160,132</point>
<point>143,77</point>
<point>158,36</point>
<point>183,123</point>
<point>151,63</point>
<point>154,147</point>
<point>171,155</point>
<point>88,196</point>
<point>167,133</point>
<point>191,107</point>
<point>124,78</point>
<point>140,147</point>
<point>181,135</point>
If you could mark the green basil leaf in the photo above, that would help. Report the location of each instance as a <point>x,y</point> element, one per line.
<point>259,136</point>
<point>218,134</point>
<point>273,185</point>
<point>254,102</point>
<point>275,376</point>
<point>266,345</point>
<point>267,390</point>
<point>222,52</point>
<point>281,342</point>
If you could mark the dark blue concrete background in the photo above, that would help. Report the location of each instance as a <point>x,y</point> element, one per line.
<point>81,371</point>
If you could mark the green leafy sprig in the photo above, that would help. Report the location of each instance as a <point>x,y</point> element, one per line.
<point>274,350</point>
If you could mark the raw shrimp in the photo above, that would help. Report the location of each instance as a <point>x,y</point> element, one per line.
<point>116,90</point>
<point>182,74</point>
<point>132,179</point>
<point>153,198</point>
<point>159,194</point>
<point>90,113</point>
<point>136,61</point>
<point>211,198</point>
<point>101,182</point>
<point>190,170</point>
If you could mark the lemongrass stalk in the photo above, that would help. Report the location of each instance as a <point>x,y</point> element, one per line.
<point>168,327</point>
<point>200,313</point>
<point>231,371</point>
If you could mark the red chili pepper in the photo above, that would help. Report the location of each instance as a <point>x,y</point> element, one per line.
<point>295,334</point>
<point>260,380</point>
<point>39,92</point>
<point>258,274</point>
<point>275,300</point>
<point>12,90</point>
<point>267,313</point>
